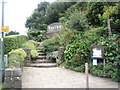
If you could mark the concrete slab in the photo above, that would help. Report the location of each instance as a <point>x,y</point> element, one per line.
<point>61,78</point>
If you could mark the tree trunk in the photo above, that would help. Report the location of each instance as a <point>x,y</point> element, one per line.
<point>109,27</point>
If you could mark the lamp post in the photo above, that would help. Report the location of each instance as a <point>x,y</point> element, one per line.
<point>2,48</point>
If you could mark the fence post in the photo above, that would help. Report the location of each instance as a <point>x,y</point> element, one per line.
<point>87,76</point>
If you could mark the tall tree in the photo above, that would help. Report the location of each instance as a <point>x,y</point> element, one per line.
<point>94,10</point>
<point>109,10</point>
<point>55,10</point>
<point>111,18</point>
<point>37,19</point>
<point>74,18</point>
<point>45,14</point>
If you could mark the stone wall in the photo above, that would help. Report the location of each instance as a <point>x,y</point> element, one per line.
<point>13,78</point>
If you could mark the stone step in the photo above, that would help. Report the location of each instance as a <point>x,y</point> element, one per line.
<point>42,61</point>
<point>44,65</point>
<point>41,57</point>
<point>41,53</point>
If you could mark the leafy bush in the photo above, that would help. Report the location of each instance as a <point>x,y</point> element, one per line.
<point>47,45</point>
<point>14,42</point>
<point>34,54</point>
<point>17,57</point>
<point>80,68</point>
<point>78,52</point>
<point>108,71</point>
<point>58,40</point>
<point>37,35</point>
<point>112,56</point>
<point>30,44</point>
<point>97,70</point>
<point>64,64</point>
<point>72,67</point>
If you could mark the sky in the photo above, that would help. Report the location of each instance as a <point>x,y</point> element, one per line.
<point>16,13</point>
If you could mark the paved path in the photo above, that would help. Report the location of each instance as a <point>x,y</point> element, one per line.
<point>61,78</point>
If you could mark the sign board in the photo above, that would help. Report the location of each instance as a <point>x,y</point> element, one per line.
<point>97,51</point>
<point>94,61</point>
<point>5,29</point>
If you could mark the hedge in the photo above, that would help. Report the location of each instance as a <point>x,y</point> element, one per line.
<point>14,42</point>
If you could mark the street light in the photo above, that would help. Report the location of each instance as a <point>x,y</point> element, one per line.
<point>2,48</point>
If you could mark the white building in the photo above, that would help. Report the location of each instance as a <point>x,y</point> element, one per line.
<point>53,28</point>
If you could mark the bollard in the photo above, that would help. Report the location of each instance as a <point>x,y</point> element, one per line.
<point>6,60</point>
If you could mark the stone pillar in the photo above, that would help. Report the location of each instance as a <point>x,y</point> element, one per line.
<point>61,54</point>
<point>28,57</point>
<point>12,78</point>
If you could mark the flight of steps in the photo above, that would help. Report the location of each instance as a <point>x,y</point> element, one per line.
<point>42,62</point>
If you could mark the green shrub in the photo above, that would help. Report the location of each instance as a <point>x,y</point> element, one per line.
<point>72,67</point>
<point>112,57</point>
<point>17,57</point>
<point>116,74</point>
<point>97,70</point>
<point>47,45</point>
<point>37,35</point>
<point>34,54</point>
<point>108,71</point>
<point>14,42</point>
<point>30,44</point>
<point>78,52</point>
<point>64,64</point>
<point>62,39</point>
<point>80,68</point>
